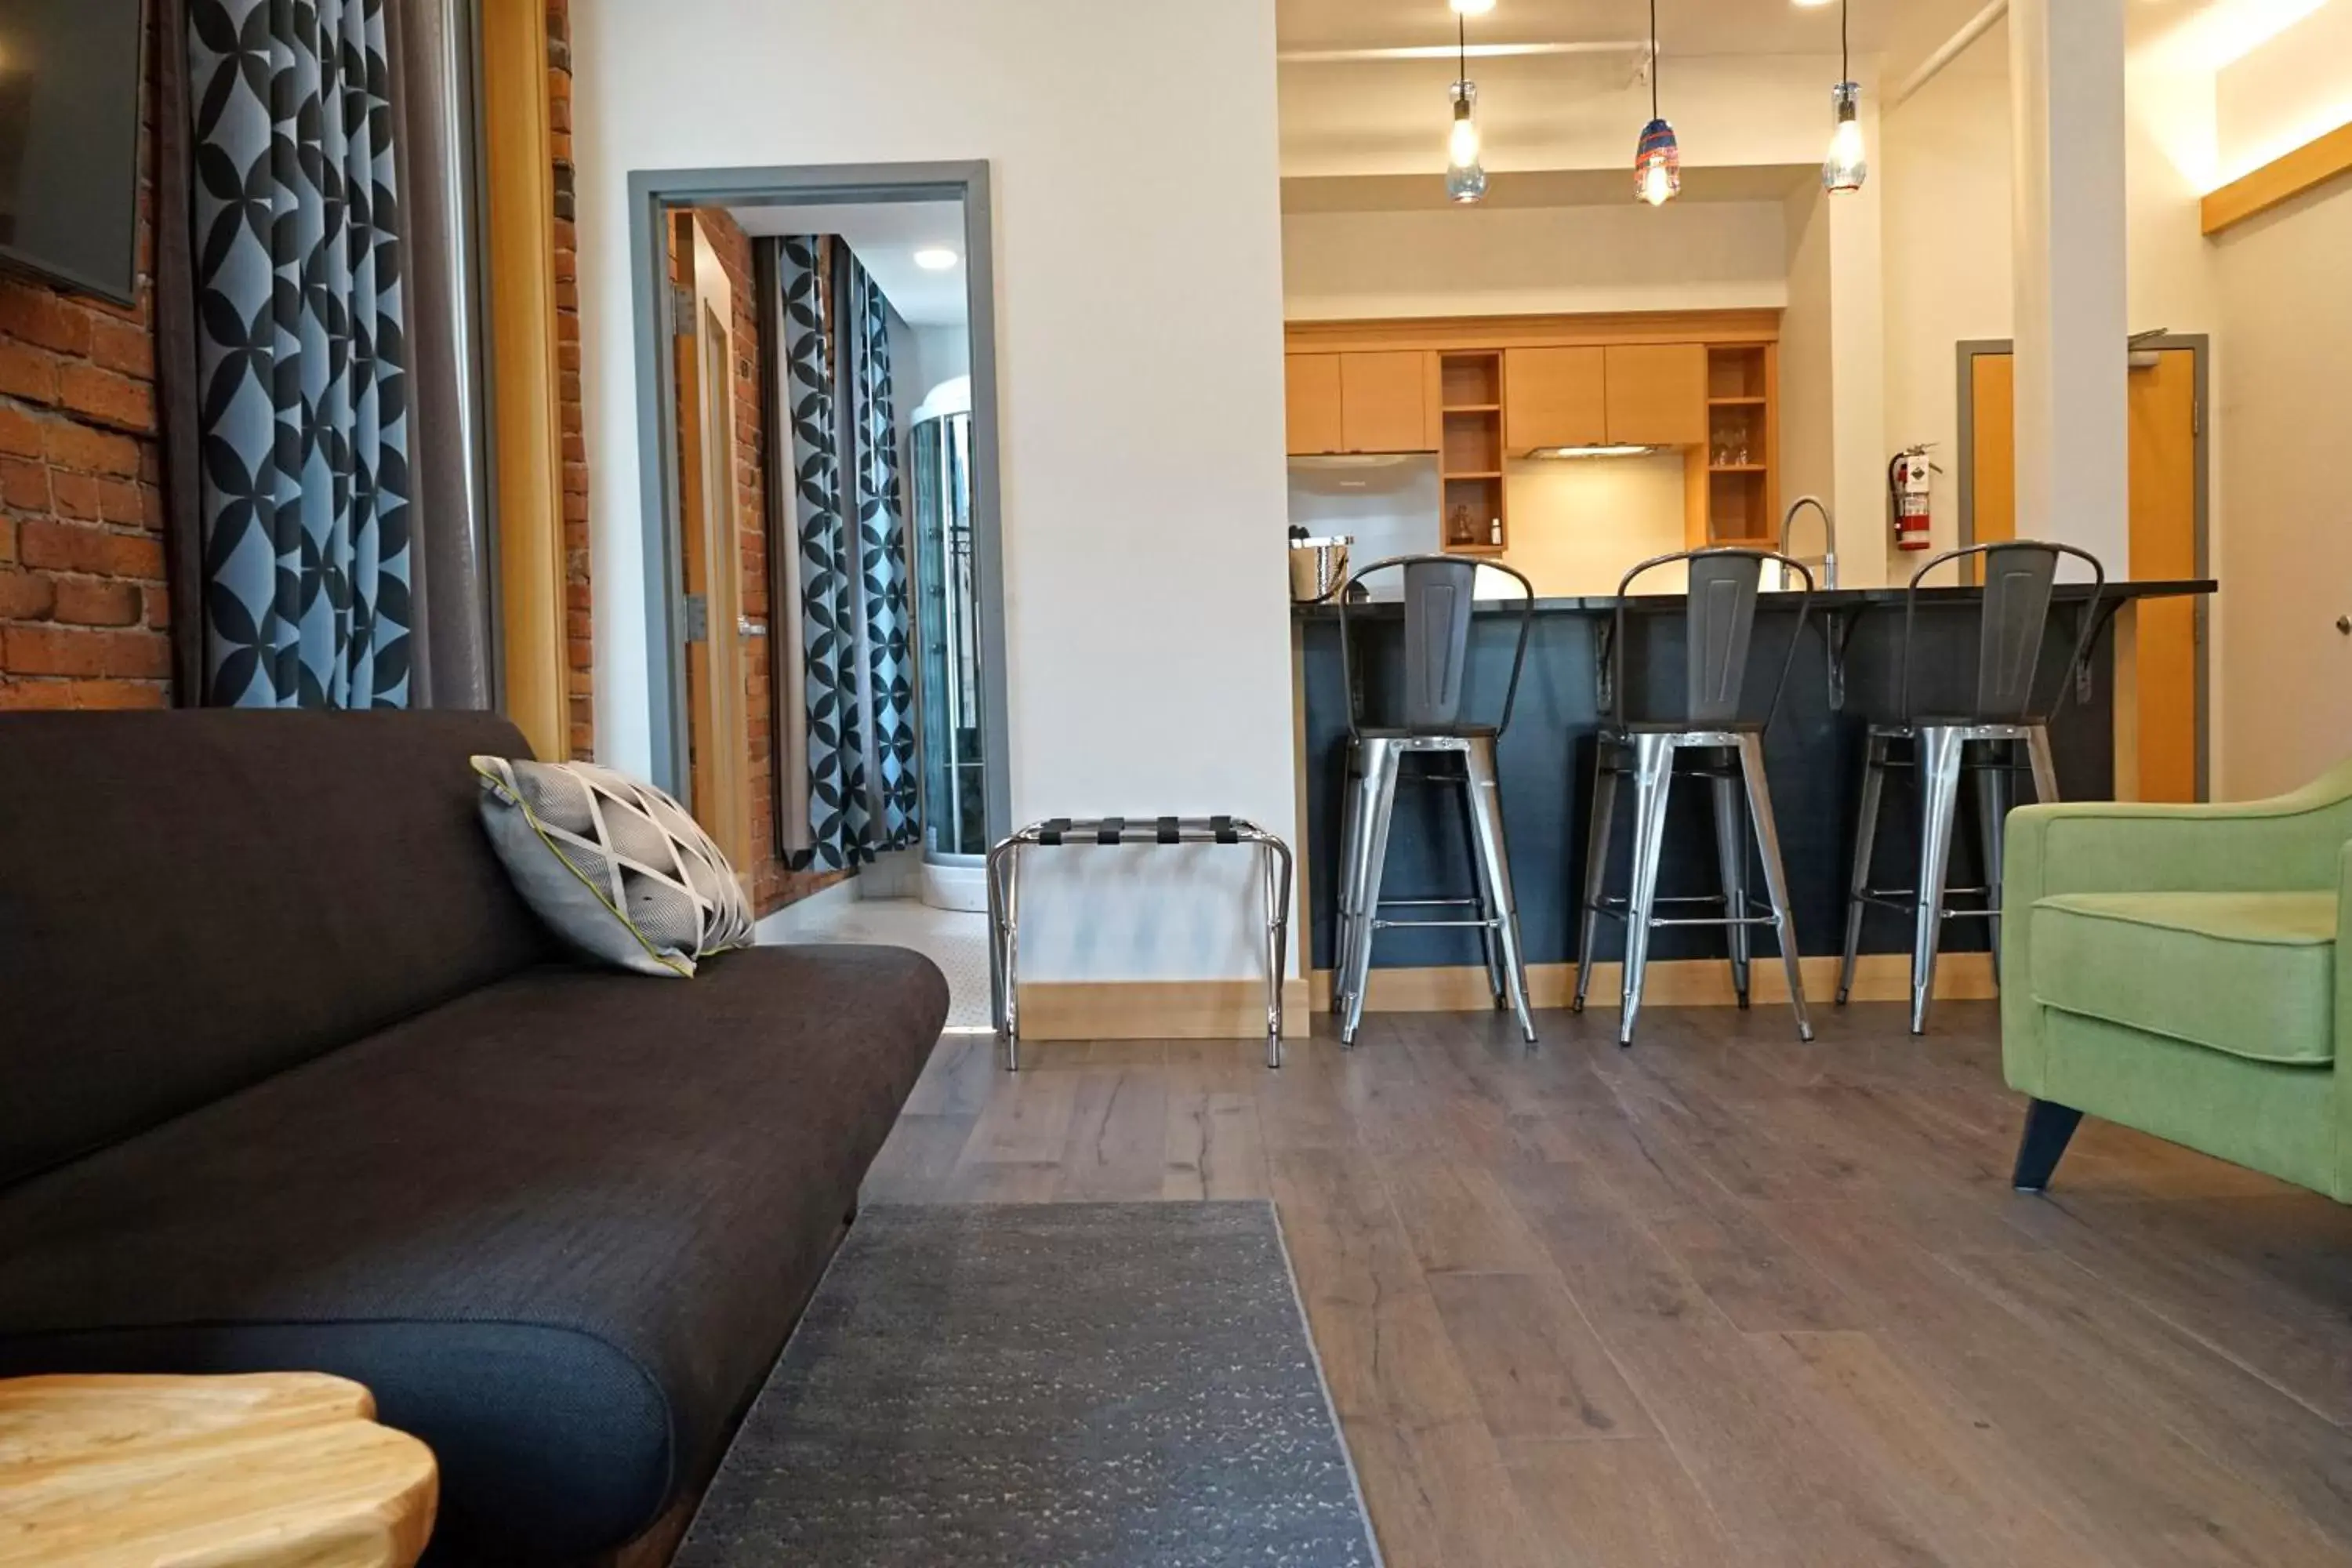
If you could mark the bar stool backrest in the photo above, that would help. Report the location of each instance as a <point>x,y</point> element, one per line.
<point>1440,592</point>
<point>1719,622</point>
<point>2020,577</point>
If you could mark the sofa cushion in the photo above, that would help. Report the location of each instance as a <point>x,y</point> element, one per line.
<point>2249,973</point>
<point>561,1226</point>
<point>191,902</point>
<point>613,866</point>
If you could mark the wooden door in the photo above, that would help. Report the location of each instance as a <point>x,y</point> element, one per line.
<point>1656,394</point>
<point>718,732</point>
<point>1384,401</point>
<point>1311,405</point>
<point>2163,413</point>
<point>1554,397</point>
<point>2161,405</point>
<point>1992,478</point>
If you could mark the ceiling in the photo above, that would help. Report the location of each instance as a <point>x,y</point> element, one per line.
<point>885,236</point>
<point>1904,31</point>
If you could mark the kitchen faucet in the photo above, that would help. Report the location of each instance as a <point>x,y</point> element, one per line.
<point>1829,536</point>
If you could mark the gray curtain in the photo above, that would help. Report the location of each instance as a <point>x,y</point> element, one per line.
<point>302,419</point>
<point>432,80</point>
<point>845,702</point>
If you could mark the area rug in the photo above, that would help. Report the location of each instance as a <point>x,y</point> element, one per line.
<point>1125,1383</point>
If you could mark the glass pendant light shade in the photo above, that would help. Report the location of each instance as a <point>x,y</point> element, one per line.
<point>1465,179</point>
<point>1845,168</point>
<point>1657,164</point>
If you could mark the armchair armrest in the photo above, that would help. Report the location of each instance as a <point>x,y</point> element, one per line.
<point>2342,1192</point>
<point>2298,842</point>
<point>2288,843</point>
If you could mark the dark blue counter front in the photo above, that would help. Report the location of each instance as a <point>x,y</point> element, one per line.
<point>1814,752</point>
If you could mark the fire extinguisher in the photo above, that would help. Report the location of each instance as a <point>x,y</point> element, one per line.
<point>1909,481</point>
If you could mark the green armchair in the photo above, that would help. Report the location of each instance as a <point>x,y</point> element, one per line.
<point>2178,969</point>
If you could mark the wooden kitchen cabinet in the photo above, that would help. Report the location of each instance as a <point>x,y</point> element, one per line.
<point>1311,404</point>
<point>1384,402</point>
<point>1554,397</point>
<point>1656,394</point>
<point>1368,402</point>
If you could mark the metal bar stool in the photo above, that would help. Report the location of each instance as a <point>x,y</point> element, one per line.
<point>1438,597</point>
<point>2007,710</point>
<point>1728,753</point>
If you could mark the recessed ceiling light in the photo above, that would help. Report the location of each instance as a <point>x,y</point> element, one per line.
<point>935,258</point>
<point>1471,7</point>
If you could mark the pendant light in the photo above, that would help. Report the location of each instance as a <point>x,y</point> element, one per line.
<point>1657,159</point>
<point>1466,178</point>
<point>1844,169</point>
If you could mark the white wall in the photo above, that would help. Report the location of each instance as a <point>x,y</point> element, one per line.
<point>1833,374</point>
<point>2286,707</point>
<point>1945,160</point>
<point>2284,92</point>
<point>1808,427</point>
<point>1949,270</point>
<point>1484,261</point>
<point>1138,264</point>
<point>944,354</point>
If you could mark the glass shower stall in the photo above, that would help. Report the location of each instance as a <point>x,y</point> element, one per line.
<point>948,629</point>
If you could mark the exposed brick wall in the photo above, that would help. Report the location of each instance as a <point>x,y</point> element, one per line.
<point>773,884</point>
<point>84,613</point>
<point>579,645</point>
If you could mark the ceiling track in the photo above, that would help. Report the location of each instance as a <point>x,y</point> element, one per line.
<point>1953,47</point>
<point>1448,51</point>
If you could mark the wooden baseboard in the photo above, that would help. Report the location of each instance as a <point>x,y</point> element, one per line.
<point>1157,1009</point>
<point>1236,1009</point>
<point>1673,983</point>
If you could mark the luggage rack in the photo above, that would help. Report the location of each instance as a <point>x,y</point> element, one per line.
<point>1061,832</point>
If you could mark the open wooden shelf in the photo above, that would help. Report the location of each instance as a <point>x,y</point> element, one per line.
<point>1728,502</point>
<point>1470,453</point>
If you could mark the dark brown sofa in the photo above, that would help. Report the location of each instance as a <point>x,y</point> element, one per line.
<point>291,1079</point>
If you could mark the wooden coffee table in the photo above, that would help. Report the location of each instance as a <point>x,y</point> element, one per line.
<point>272,1470</point>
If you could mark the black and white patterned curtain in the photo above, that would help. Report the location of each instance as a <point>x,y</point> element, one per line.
<point>882,564</point>
<point>852,693</point>
<point>302,423</point>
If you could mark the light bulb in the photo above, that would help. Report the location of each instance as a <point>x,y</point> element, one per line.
<point>1657,164</point>
<point>1845,168</point>
<point>1466,181</point>
<point>1461,146</point>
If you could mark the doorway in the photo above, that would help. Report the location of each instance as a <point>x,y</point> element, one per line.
<point>2166,397</point>
<point>718,690</point>
<point>822,540</point>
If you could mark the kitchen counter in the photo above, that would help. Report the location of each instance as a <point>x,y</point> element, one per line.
<point>1846,670</point>
<point>1823,599</point>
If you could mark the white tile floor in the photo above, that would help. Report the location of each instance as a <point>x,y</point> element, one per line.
<point>956,942</point>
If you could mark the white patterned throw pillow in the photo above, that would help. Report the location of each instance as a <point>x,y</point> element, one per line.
<point>616,868</point>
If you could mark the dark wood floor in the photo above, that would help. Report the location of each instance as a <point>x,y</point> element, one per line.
<point>1728,1298</point>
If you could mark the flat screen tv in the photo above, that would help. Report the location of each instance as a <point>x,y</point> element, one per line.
<point>69,88</point>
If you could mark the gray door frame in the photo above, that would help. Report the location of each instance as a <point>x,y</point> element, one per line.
<point>654,194</point>
<point>2200,344</point>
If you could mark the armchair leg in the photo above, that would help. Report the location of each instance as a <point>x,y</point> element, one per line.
<point>2047,1128</point>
